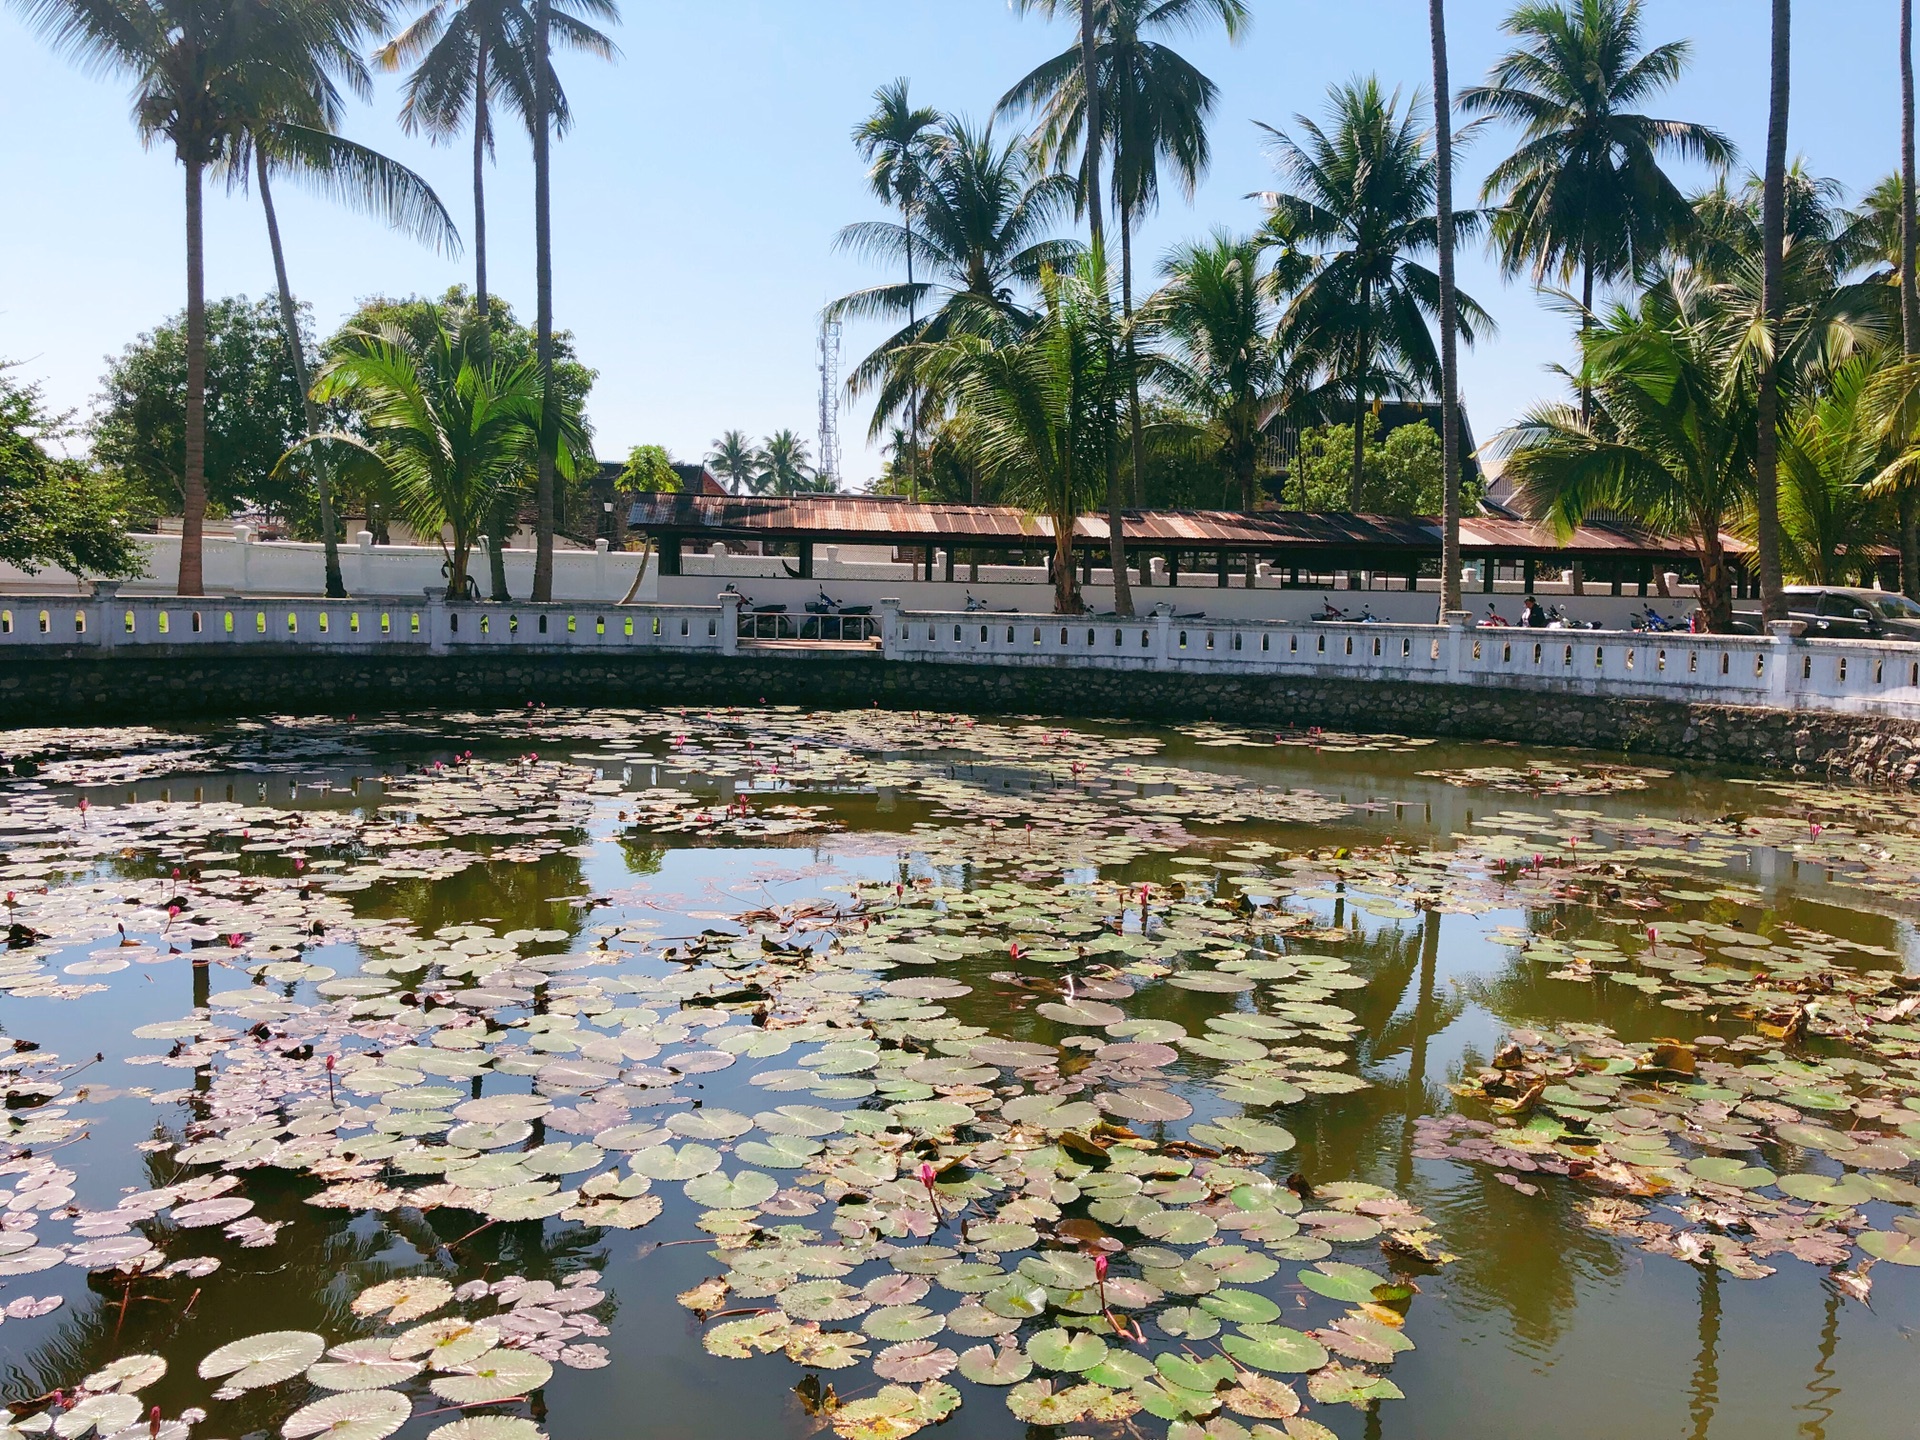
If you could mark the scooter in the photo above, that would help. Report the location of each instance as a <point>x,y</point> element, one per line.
<point>827,605</point>
<point>746,603</point>
<point>1493,620</point>
<point>976,605</point>
<point>1558,619</point>
<point>1654,623</point>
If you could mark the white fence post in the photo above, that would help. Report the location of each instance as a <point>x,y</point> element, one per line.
<point>1457,638</point>
<point>890,627</point>
<point>1781,685</point>
<point>729,622</point>
<point>435,620</point>
<point>1162,637</point>
<point>102,620</point>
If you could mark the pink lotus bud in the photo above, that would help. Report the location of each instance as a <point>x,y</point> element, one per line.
<point>926,1174</point>
<point>153,1421</point>
<point>1100,1267</point>
<point>1653,936</point>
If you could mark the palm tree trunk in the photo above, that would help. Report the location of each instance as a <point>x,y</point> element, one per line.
<point>1116,493</point>
<point>1586,324</point>
<point>506,511</point>
<point>1773,239</point>
<point>1449,318</point>
<point>1716,593</point>
<point>481,135</point>
<point>1090,80</point>
<point>289,321</point>
<point>543,304</point>
<point>1066,581</point>
<point>193,480</point>
<point>1909,288</point>
<point>457,570</point>
<point>913,378</point>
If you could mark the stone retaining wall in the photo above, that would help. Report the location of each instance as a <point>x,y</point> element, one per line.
<point>77,687</point>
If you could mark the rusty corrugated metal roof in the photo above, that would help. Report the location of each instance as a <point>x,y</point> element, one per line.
<point>887,520</point>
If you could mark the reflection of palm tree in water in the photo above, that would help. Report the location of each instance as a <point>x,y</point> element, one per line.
<point>1821,1388</point>
<point>1705,1396</point>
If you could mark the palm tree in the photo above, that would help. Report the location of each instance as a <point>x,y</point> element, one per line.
<point>1829,452</point>
<point>1909,287</point>
<point>1227,362</point>
<point>552,19</point>
<point>986,214</point>
<point>1154,107</point>
<point>1584,192</point>
<point>1667,436</point>
<point>1773,224</point>
<point>785,466</point>
<point>1449,315</point>
<point>737,458</point>
<point>1366,191</point>
<point>896,142</point>
<point>303,145</point>
<point>1041,407</point>
<point>452,425</point>
<point>464,53</point>
<point>200,68</point>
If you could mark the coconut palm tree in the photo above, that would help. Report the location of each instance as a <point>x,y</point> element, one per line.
<point>1040,407</point>
<point>1365,191</point>
<point>1773,225</point>
<point>1909,286</point>
<point>1829,452</point>
<point>737,458</point>
<point>1667,437</point>
<point>302,145</point>
<point>452,425</point>
<point>1226,361</point>
<point>786,467</point>
<point>466,56</point>
<point>1584,194</point>
<point>200,69</point>
<point>897,141</point>
<point>1449,313</point>
<point>553,21</point>
<point>986,213</point>
<point>1153,105</point>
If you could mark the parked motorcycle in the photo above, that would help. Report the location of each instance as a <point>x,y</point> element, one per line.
<point>1558,619</point>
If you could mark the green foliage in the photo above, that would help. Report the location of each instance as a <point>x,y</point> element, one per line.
<point>1402,474</point>
<point>453,422</point>
<point>55,511</point>
<point>649,467</point>
<point>254,414</point>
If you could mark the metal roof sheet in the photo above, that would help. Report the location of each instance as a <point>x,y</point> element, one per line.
<point>874,519</point>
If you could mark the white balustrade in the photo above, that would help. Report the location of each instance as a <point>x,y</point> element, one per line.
<point>1781,670</point>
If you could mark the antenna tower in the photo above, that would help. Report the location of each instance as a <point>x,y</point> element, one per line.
<point>829,455</point>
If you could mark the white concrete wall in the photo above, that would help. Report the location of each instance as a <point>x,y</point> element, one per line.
<point>236,564</point>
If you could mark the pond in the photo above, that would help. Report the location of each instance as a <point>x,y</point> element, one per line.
<point>708,1073</point>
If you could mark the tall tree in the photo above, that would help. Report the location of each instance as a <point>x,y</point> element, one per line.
<point>1225,363</point>
<point>1668,436</point>
<point>199,68</point>
<point>737,458</point>
<point>467,55</point>
<point>452,425</point>
<point>552,20</point>
<point>1773,225</point>
<point>986,220</point>
<point>1909,288</point>
<point>1584,194</point>
<point>1365,196</point>
<point>896,141</point>
<point>55,511</point>
<point>1154,106</point>
<point>305,147</point>
<point>786,468</point>
<point>1041,407</point>
<point>1449,314</point>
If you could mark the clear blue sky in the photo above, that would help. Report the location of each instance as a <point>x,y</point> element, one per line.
<point>697,198</point>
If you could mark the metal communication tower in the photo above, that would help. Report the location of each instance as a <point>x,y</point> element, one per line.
<point>829,455</point>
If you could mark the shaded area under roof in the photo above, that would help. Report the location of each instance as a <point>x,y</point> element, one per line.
<point>887,520</point>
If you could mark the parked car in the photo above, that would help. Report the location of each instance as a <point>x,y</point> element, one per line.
<point>1834,612</point>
